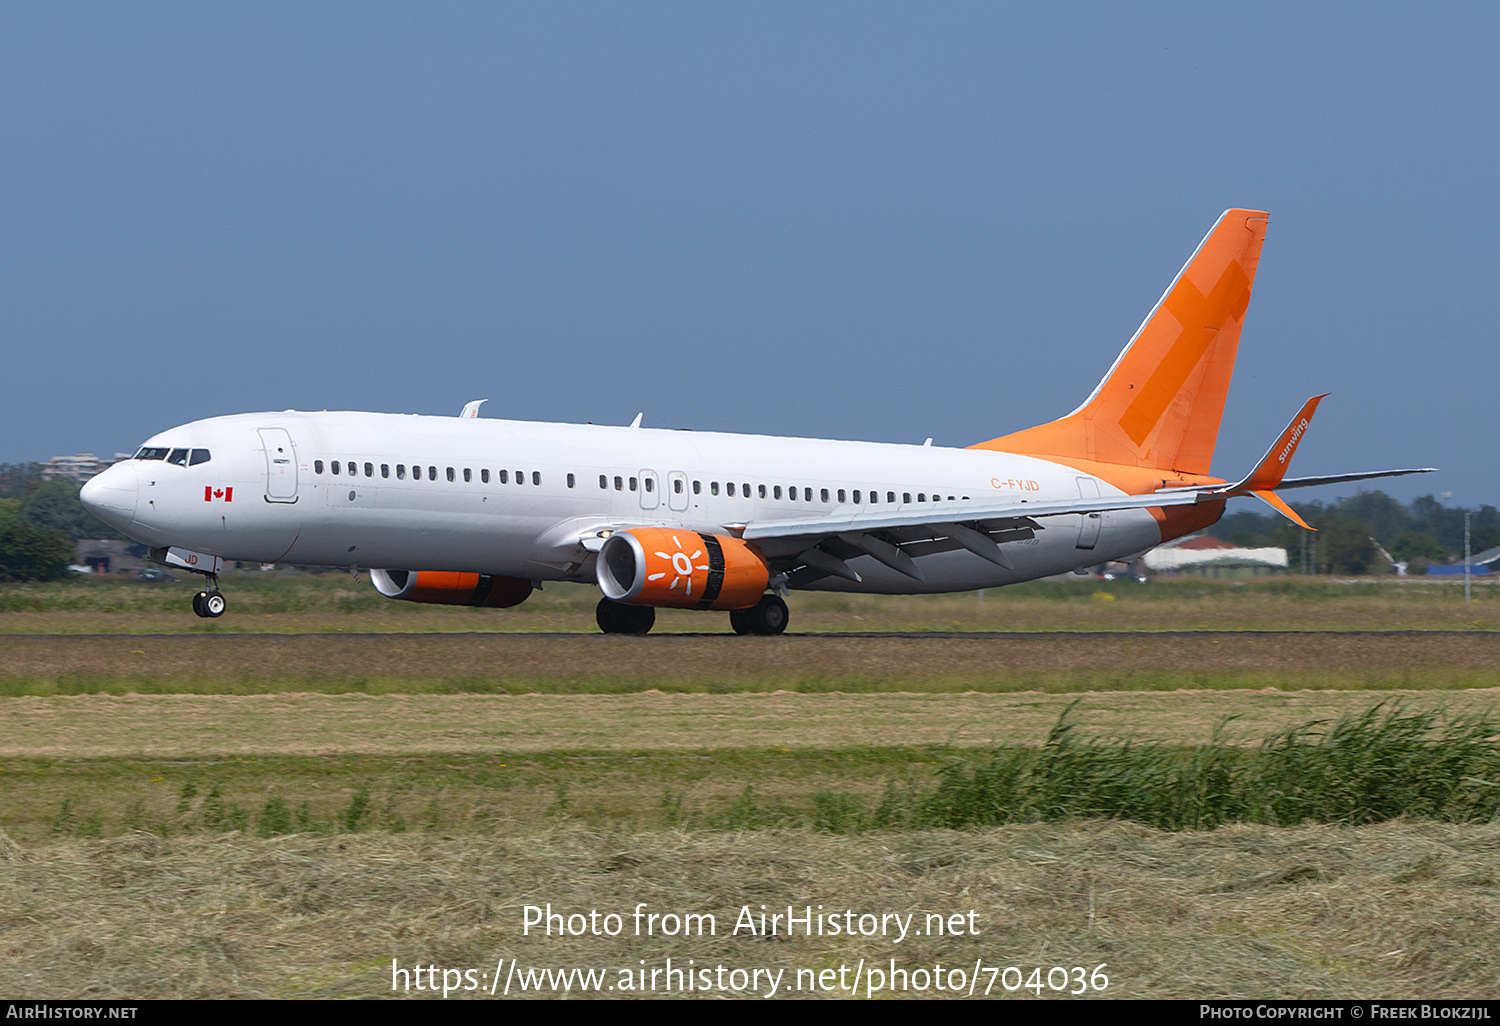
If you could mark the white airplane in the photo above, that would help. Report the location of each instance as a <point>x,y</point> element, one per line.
<point>471,511</point>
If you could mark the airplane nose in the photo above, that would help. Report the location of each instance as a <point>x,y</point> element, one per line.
<point>111,496</point>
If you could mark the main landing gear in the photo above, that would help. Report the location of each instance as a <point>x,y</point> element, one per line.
<point>618,618</point>
<point>768,616</point>
<point>210,603</point>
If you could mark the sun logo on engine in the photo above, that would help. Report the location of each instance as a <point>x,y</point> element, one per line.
<point>682,565</point>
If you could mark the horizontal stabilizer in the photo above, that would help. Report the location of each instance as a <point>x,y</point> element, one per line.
<point>1312,482</point>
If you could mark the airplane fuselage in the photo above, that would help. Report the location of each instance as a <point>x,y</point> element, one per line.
<point>517,498</point>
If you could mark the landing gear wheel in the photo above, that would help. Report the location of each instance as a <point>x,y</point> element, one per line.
<point>198,603</point>
<point>769,616</point>
<point>739,619</point>
<point>214,604</point>
<point>618,618</point>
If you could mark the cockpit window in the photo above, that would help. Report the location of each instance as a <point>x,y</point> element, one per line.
<point>148,453</point>
<point>199,456</point>
<point>178,458</point>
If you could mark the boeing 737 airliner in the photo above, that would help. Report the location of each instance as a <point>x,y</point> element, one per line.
<point>470,511</point>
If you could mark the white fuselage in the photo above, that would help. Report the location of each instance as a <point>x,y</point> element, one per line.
<point>514,498</point>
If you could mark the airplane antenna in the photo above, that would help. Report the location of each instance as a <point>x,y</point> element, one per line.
<point>637,422</point>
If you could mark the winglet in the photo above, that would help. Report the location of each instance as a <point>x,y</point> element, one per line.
<point>1275,502</point>
<point>1272,467</point>
<point>471,410</point>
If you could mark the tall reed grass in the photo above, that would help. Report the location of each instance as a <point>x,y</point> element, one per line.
<point>1381,764</point>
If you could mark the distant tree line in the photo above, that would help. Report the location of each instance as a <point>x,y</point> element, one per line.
<point>40,523</point>
<point>1352,533</point>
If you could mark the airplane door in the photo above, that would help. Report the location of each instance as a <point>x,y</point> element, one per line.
<point>650,490</point>
<point>1088,525</point>
<point>281,465</point>
<point>677,494</point>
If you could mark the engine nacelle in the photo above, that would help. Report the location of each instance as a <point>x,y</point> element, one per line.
<point>450,589</point>
<point>666,566</point>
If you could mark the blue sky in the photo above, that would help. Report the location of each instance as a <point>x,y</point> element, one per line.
<point>846,220</point>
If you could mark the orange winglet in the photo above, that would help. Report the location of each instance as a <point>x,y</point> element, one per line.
<point>1272,467</point>
<point>1161,403</point>
<point>1274,501</point>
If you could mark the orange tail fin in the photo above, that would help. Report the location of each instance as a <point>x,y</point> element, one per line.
<point>1160,404</point>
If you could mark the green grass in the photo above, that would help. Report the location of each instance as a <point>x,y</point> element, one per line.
<point>252,592</point>
<point>1380,764</point>
<point>711,682</point>
<point>1383,763</point>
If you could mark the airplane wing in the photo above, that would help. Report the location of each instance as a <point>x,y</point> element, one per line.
<point>814,547</point>
<point>820,546</point>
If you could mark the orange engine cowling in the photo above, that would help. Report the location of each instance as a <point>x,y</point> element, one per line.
<point>667,566</point>
<point>450,589</point>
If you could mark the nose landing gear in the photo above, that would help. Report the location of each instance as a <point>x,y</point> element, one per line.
<point>210,603</point>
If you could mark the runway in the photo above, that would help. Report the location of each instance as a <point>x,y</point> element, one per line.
<point>983,661</point>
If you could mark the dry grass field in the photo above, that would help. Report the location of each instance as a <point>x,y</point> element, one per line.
<point>258,806</point>
<point>1390,911</point>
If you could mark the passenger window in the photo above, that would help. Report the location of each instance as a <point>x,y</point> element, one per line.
<point>317,466</point>
<point>890,496</point>
<point>334,466</point>
<point>450,473</point>
<point>619,483</point>
<point>603,481</point>
<point>791,492</point>
<point>906,496</point>
<point>401,472</point>
<point>762,491</point>
<point>856,497</point>
<point>505,477</point>
<point>776,492</point>
<point>841,495</point>
<point>416,472</point>
<point>520,477</point>
<point>178,458</point>
<point>484,475</point>
<point>369,470</point>
<point>468,475</point>
<point>729,489</point>
<point>385,470</point>
<point>198,456</point>
<point>921,497</point>
<point>677,486</point>
<point>713,488</point>
<point>650,484</point>
<point>697,487</point>
<point>432,473</point>
<point>824,494</point>
<point>745,489</point>
<point>633,483</point>
<point>536,477</point>
<point>570,481</point>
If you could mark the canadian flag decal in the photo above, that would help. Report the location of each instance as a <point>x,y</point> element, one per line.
<point>210,493</point>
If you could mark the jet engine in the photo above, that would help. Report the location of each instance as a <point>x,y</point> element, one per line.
<point>664,566</point>
<point>450,589</point>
